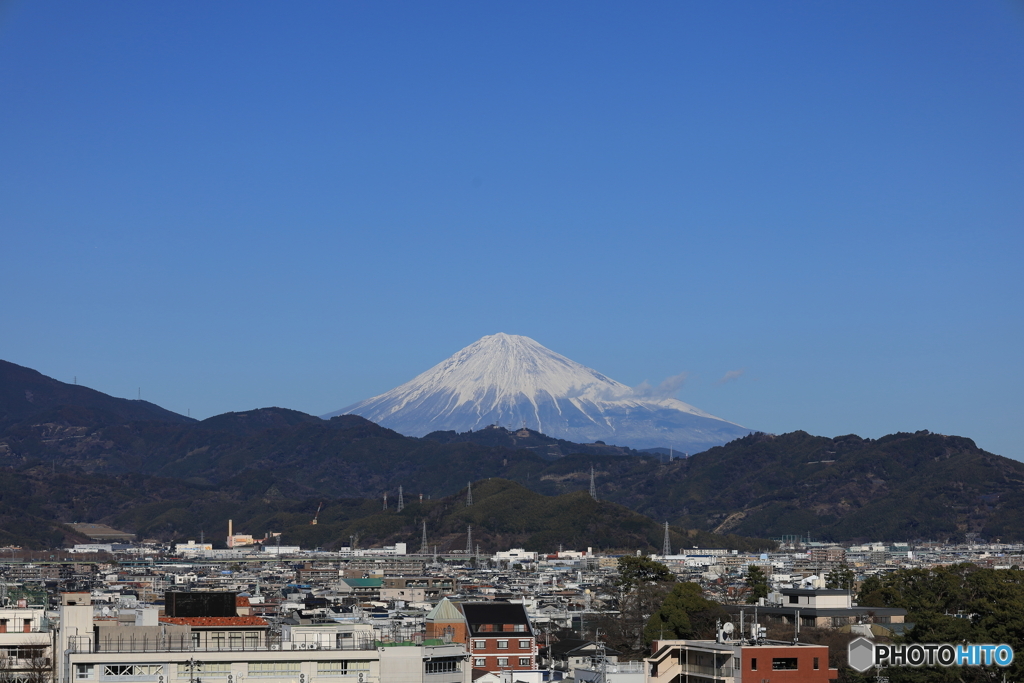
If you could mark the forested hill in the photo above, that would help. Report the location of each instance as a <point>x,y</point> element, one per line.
<point>902,486</point>
<point>25,393</point>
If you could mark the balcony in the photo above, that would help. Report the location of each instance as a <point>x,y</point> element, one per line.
<point>708,671</point>
<point>184,643</point>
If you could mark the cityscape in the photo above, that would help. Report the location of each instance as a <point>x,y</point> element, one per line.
<point>532,342</point>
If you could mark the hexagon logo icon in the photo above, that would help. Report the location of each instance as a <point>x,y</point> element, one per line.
<point>861,654</point>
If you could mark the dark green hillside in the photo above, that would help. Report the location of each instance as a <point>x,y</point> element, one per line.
<point>25,393</point>
<point>527,439</point>
<point>255,421</point>
<point>36,504</point>
<point>902,486</point>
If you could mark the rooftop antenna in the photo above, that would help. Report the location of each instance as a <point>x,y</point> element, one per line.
<point>469,493</point>
<point>424,549</point>
<point>469,539</point>
<point>666,546</point>
<point>593,486</point>
<point>401,500</point>
<point>385,500</point>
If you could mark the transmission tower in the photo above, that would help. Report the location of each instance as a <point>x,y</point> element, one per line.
<point>401,501</point>
<point>469,494</point>
<point>469,539</point>
<point>666,549</point>
<point>593,485</point>
<point>385,500</point>
<point>423,545</point>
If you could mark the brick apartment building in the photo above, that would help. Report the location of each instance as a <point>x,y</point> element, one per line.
<point>498,635</point>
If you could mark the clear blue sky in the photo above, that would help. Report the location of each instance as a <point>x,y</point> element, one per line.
<point>234,205</point>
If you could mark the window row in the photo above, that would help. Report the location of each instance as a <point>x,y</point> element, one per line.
<point>481,662</point>
<point>206,668</point>
<point>783,664</point>
<point>123,670</point>
<point>443,665</point>
<point>502,644</point>
<point>341,667</point>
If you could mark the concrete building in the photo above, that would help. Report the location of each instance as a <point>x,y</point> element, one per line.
<point>697,661</point>
<point>26,653</point>
<point>822,608</point>
<point>182,657</point>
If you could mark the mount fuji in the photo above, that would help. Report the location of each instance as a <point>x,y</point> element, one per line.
<point>511,380</point>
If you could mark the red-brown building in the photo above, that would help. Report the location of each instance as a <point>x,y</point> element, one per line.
<point>498,635</point>
<point>683,661</point>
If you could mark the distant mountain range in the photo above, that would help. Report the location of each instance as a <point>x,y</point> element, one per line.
<point>90,460</point>
<point>25,392</point>
<point>513,381</point>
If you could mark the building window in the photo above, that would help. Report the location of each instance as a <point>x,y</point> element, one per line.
<point>206,669</point>
<point>502,644</point>
<point>502,661</point>
<point>736,662</point>
<point>84,670</point>
<point>479,661</point>
<point>794,599</point>
<point>217,640</point>
<point>524,644</point>
<point>815,663</point>
<point>236,640</point>
<point>519,627</point>
<point>784,664</point>
<point>479,644</point>
<point>753,664</point>
<point>275,669</point>
<point>442,665</point>
<point>119,670</point>
<point>252,640</point>
<point>341,667</point>
<point>524,661</point>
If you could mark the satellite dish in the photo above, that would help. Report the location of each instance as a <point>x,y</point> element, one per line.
<point>728,628</point>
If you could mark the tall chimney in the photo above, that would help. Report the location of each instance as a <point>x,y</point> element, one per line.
<point>231,531</point>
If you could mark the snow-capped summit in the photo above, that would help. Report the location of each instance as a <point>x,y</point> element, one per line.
<point>512,380</point>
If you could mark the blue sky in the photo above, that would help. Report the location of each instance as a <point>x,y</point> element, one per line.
<point>813,209</point>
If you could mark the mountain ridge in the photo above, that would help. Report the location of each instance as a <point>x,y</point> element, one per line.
<point>504,379</point>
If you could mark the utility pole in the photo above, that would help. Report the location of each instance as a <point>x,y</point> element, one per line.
<point>593,485</point>
<point>385,500</point>
<point>423,545</point>
<point>401,500</point>
<point>666,547</point>
<point>469,539</point>
<point>469,494</point>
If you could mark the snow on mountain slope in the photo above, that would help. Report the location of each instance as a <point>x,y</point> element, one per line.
<point>512,380</point>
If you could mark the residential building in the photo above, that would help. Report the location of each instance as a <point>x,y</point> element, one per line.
<point>696,661</point>
<point>500,636</point>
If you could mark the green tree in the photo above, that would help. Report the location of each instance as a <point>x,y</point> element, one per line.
<point>684,613</point>
<point>643,585</point>
<point>840,577</point>
<point>757,582</point>
<point>635,571</point>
